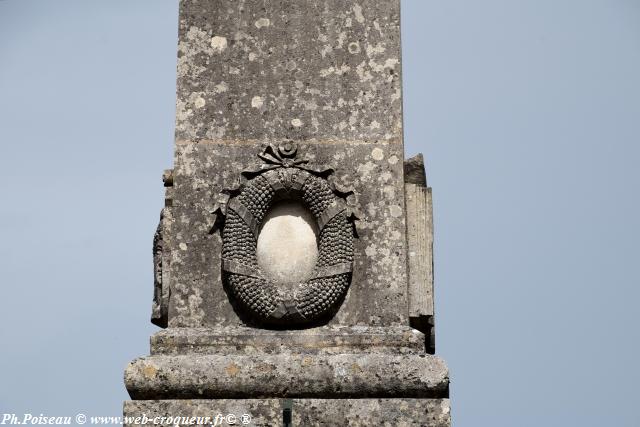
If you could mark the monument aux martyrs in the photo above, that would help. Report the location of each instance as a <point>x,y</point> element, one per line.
<point>293,259</point>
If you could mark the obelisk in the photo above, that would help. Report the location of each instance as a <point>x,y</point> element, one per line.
<point>293,260</point>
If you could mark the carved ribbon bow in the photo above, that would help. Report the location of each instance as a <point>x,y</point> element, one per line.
<point>285,157</point>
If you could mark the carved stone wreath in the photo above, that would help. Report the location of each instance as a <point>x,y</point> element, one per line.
<point>283,177</point>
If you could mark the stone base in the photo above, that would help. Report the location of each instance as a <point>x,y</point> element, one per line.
<point>344,376</point>
<point>244,363</point>
<point>291,412</point>
<point>373,376</point>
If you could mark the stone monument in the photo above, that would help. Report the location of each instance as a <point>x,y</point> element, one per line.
<point>293,260</point>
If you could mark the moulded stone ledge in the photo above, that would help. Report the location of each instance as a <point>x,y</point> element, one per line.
<point>275,376</point>
<point>324,340</point>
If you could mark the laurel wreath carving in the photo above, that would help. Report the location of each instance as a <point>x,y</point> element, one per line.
<point>284,176</point>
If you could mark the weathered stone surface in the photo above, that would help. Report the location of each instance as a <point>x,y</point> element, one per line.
<point>304,70</point>
<point>286,375</point>
<point>261,412</point>
<point>420,248</point>
<point>325,340</point>
<point>378,292</point>
<point>420,237</point>
<point>372,412</point>
<point>304,412</point>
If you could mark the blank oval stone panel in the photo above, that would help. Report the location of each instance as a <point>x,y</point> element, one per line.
<point>288,244</point>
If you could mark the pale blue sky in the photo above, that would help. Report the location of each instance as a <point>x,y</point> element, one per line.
<point>528,113</point>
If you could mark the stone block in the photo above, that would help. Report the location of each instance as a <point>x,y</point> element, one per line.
<point>325,70</point>
<point>297,412</point>
<point>372,412</point>
<point>373,172</point>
